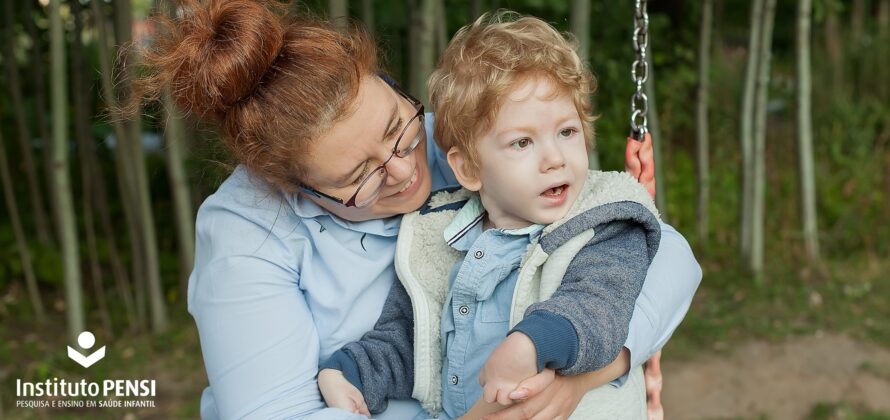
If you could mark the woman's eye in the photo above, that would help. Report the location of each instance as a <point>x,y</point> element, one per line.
<point>361,176</point>
<point>395,129</point>
<point>568,132</point>
<point>521,144</point>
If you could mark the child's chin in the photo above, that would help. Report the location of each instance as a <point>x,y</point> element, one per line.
<point>545,220</point>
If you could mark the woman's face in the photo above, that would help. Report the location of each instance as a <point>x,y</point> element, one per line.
<point>341,159</point>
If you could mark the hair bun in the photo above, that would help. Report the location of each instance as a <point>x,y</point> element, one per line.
<point>223,48</point>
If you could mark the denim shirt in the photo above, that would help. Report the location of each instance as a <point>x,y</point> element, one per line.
<point>476,314</point>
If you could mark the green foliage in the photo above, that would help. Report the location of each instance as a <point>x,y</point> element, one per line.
<point>844,411</point>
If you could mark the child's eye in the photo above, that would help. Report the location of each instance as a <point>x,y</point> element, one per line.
<point>568,132</point>
<point>521,143</point>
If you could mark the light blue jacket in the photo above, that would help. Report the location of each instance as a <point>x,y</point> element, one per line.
<point>280,284</point>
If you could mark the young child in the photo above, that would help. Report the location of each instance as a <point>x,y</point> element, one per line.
<point>534,248</point>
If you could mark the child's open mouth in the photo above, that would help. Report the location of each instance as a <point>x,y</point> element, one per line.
<point>556,195</point>
<point>556,191</point>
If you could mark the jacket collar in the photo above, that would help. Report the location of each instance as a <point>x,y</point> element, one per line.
<point>469,220</point>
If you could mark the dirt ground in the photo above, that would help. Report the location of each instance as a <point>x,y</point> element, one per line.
<point>778,381</point>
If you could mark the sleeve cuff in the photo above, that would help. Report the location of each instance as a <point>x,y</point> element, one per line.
<point>342,361</point>
<point>554,337</point>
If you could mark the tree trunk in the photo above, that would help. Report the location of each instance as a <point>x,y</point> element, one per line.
<point>100,190</point>
<point>763,79</point>
<point>368,15</point>
<point>863,52</point>
<point>704,66</point>
<point>857,22</point>
<point>423,55</point>
<point>579,21</point>
<point>441,22</point>
<point>746,128</point>
<point>41,110</point>
<point>475,10</point>
<point>884,46</point>
<point>154,287</point>
<point>805,130</point>
<point>833,45</point>
<point>65,206</point>
<point>21,241</point>
<point>24,133</point>
<point>175,136</point>
<point>82,133</point>
<point>124,176</point>
<point>338,11</point>
<point>884,19</point>
<point>174,133</point>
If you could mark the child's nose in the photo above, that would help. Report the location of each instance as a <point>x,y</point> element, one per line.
<point>552,157</point>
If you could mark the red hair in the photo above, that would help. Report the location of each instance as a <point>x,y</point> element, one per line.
<point>272,81</point>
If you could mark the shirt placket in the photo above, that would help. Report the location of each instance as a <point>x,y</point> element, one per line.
<point>464,310</point>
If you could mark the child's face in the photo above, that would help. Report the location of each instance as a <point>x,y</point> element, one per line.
<point>533,160</point>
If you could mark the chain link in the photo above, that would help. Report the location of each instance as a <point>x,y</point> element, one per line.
<point>639,103</point>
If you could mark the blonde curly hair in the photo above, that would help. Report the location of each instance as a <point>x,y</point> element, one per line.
<point>486,60</point>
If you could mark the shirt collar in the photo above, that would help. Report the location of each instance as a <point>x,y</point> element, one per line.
<point>469,217</point>
<point>307,209</point>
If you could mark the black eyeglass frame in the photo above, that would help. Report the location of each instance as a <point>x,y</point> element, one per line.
<point>395,150</point>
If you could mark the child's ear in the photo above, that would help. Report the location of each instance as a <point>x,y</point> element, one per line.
<point>466,175</point>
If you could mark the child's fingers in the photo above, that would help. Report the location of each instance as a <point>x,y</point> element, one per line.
<point>503,397</point>
<point>489,393</point>
<point>363,408</point>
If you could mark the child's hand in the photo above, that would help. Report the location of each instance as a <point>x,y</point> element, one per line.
<point>339,393</point>
<point>512,361</point>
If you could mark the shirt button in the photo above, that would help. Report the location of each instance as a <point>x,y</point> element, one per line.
<point>479,254</point>
<point>464,309</point>
<point>454,379</point>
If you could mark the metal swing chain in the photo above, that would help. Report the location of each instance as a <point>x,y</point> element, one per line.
<point>639,103</point>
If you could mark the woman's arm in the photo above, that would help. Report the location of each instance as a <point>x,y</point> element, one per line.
<point>671,282</point>
<point>381,365</point>
<point>259,342</point>
<point>559,399</point>
<point>257,333</point>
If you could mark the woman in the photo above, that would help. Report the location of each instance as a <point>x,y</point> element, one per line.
<point>295,249</point>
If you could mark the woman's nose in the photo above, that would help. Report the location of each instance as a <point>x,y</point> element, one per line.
<point>400,169</point>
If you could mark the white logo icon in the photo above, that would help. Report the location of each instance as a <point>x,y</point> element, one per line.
<point>86,340</point>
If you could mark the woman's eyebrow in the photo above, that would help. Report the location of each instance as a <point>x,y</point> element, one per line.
<point>393,116</point>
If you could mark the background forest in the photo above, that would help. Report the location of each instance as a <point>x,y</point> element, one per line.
<point>770,119</point>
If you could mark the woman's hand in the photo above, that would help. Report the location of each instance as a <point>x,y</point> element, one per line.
<point>639,161</point>
<point>539,401</point>
<point>652,377</point>
<point>339,393</point>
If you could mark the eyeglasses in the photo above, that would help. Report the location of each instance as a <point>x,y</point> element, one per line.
<point>369,189</point>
